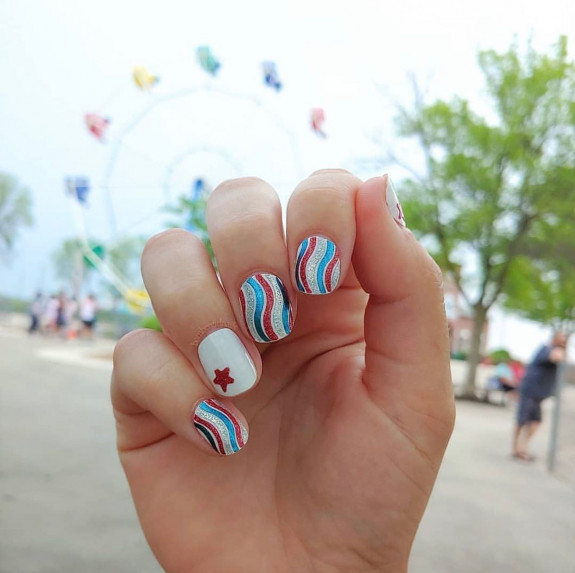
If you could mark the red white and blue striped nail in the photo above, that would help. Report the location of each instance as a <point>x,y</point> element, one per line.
<point>224,431</point>
<point>318,265</point>
<point>266,307</point>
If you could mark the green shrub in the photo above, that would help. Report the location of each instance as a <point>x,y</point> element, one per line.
<point>151,321</point>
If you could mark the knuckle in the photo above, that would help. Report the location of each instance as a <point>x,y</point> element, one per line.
<point>333,183</point>
<point>166,238</point>
<point>434,272</point>
<point>233,185</point>
<point>128,345</point>
<point>331,171</point>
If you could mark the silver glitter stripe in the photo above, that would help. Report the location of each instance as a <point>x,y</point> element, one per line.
<point>250,313</point>
<point>335,275</point>
<point>277,308</point>
<point>221,428</point>
<point>311,269</point>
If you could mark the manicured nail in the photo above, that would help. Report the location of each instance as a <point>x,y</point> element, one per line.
<point>393,203</point>
<point>218,425</point>
<point>317,265</point>
<point>266,307</point>
<point>227,363</point>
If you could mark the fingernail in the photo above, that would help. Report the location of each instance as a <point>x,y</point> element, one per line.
<point>217,424</point>
<point>227,363</point>
<point>317,265</point>
<point>393,203</point>
<point>266,307</point>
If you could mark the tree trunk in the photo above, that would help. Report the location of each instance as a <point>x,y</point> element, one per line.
<point>474,358</point>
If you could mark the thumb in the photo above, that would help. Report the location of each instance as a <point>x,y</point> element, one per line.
<point>407,343</point>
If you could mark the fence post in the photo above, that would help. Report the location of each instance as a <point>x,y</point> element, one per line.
<point>555,417</point>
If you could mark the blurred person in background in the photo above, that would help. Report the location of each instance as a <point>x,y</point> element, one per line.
<point>50,315</point>
<point>71,314</point>
<point>36,310</point>
<point>61,314</point>
<point>88,312</point>
<point>538,383</point>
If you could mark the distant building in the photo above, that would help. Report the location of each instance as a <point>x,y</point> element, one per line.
<point>460,320</point>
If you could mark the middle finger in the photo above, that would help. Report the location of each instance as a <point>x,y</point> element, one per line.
<point>245,227</point>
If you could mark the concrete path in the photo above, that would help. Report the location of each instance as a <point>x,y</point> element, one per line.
<point>65,505</point>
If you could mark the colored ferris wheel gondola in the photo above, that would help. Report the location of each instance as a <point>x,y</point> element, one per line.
<point>317,120</point>
<point>207,60</point>
<point>97,125</point>
<point>271,76</point>
<point>78,187</point>
<point>143,78</point>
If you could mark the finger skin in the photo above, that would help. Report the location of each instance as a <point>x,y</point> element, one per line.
<point>195,312</point>
<point>157,393</point>
<point>321,230</point>
<point>245,227</point>
<point>407,342</point>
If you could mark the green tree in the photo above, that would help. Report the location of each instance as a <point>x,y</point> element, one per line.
<point>15,210</point>
<point>191,213</point>
<point>493,185</point>
<point>542,286</point>
<point>124,256</point>
<point>70,264</point>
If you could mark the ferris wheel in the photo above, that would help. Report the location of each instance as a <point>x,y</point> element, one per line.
<point>180,136</point>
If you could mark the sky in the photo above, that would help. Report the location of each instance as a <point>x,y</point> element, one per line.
<point>61,58</point>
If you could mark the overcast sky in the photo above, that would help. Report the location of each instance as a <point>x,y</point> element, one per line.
<point>62,58</point>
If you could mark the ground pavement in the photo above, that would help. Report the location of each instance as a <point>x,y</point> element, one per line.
<point>65,505</point>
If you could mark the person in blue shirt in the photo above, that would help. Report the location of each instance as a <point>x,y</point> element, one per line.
<point>538,384</point>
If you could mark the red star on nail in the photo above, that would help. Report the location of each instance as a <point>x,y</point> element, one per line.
<point>223,378</point>
<point>400,211</point>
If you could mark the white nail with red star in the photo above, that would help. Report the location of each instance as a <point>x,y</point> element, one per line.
<point>226,362</point>
<point>393,203</point>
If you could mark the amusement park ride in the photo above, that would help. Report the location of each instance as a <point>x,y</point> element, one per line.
<point>182,171</point>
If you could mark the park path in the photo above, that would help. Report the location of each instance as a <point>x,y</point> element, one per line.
<point>65,505</point>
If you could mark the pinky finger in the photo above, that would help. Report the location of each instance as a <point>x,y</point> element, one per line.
<point>156,393</point>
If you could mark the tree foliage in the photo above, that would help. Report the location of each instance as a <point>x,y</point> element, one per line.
<point>123,256</point>
<point>191,215</point>
<point>15,210</point>
<point>493,186</point>
<point>70,264</point>
<point>542,284</point>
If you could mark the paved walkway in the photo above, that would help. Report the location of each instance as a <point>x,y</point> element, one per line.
<point>65,505</point>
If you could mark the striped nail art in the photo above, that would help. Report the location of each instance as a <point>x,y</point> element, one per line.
<point>317,265</point>
<point>266,307</point>
<point>219,427</point>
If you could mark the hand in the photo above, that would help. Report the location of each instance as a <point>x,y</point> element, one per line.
<point>352,412</point>
<point>557,354</point>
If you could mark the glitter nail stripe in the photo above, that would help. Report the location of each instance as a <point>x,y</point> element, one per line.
<point>266,307</point>
<point>219,427</point>
<point>317,266</point>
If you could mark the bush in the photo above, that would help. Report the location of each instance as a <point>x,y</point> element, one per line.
<point>500,355</point>
<point>151,321</point>
<point>459,355</point>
